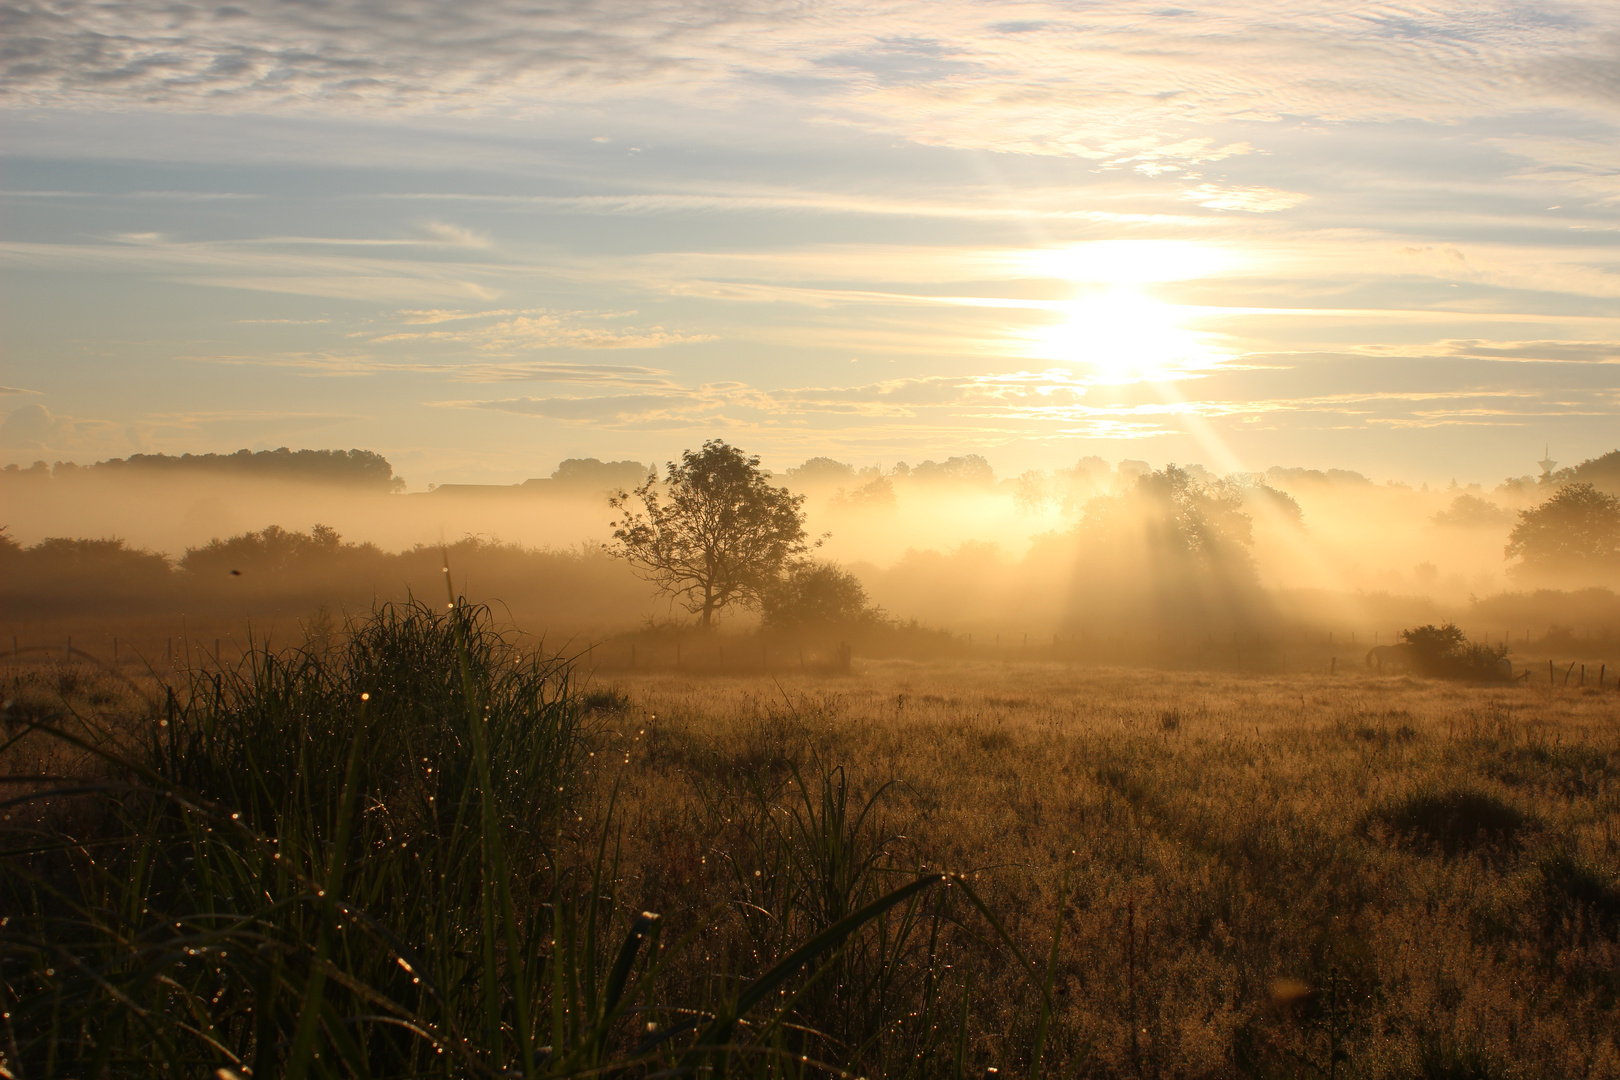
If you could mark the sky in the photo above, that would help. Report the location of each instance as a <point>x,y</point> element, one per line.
<point>480,237</point>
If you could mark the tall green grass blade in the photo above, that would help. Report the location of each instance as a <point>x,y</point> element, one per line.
<point>311,1005</point>
<point>1046,984</point>
<point>720,1030</point>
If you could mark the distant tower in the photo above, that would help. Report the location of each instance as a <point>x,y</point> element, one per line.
<point>1547,463</point>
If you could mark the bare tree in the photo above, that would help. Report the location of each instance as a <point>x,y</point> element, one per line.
<point>719,533</point>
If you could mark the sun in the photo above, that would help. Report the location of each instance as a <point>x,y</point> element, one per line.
<point>1123,335</point>
<point>1112,324</point>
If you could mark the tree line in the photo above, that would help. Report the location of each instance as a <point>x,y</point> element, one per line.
<point>353,468</point>
<point>716,533</point>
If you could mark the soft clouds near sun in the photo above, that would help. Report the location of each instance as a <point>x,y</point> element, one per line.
<point>1254,233</point>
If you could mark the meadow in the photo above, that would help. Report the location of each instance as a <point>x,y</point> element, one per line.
<point>499,862</point>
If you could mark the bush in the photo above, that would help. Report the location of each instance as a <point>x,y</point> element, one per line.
<point>1452,821</point>
<point>1579,896</point>
<point>1445,652</point>
<point>818,595</point>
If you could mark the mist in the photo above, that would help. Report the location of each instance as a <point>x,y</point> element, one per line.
<point>1088,552</point>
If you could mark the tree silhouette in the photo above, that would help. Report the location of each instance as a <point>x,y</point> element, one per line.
<point>719,534</point>
<point>1169,550</point>
<point>1577,529</point>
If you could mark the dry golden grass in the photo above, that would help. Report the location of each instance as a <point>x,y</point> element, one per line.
<point>1255,879</point>
<point>1266,876</point>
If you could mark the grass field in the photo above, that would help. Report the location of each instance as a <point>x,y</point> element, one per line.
<point>1436,863</point>
<point>1181,874</point>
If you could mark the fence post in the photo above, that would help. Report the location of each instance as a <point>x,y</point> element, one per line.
<point>1333,666</point>
<point>68,656</point>
<point>1552,680</point>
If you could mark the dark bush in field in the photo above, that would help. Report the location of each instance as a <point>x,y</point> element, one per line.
<point>604,700</point>
<point>1452,821</point>
<point>1579,897</point>
<point>1445,652</point>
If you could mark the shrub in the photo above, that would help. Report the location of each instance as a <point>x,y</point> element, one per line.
<point>1452,821</point>
<point>1575,894</point>
<point>1445,652</point>
<point>605,699</point>
<point>817,595</point>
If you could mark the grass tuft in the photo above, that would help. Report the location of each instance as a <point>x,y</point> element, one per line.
<point>608,699</point>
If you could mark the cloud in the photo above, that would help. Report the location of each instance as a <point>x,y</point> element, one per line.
<point>248,265</point>
<point>1115,82</point>
<point>357,363</point>
<point>1592,73</point>
<point>1533,352</point>
<point>1061,402</point>
<point>1019,395</point>
<point>1558,352</point>
<point>1257,200</point>
<point>543,330</point>
<point>537,371</point>
<point>454,235</point>
<point>621,408</point>
<point>34,428</point>
<point>29,427</point>
<point>440,315</point>
<point>975,202</point>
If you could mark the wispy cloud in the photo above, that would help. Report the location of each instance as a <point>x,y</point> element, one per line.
<point>544,330</point>
<point>1059,401</point>
<point>1115,82</point>
<point>1530,352</point>
<point>246,265</point>
<point>1255,200</point>
<point>34,428</point>
<point>367,364</point>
